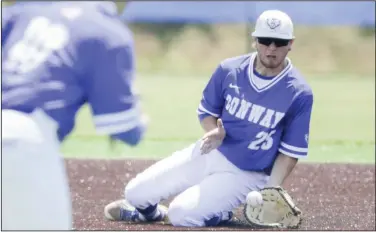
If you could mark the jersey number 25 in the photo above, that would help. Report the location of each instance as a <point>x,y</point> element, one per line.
<point>263,141</point>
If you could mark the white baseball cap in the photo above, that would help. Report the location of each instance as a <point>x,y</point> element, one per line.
<point>274,24</point>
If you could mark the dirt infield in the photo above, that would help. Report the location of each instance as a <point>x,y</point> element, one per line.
<point>331,197</point>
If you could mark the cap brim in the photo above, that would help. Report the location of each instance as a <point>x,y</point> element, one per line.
<point>272,35</point>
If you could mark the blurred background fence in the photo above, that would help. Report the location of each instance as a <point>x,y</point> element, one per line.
<point>192,37</point>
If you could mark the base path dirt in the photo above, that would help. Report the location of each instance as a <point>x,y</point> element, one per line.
<point>331,196</point>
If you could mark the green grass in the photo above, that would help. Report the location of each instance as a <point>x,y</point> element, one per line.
<point>342,130</point>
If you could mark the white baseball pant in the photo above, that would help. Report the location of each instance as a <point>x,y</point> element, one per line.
<point>206,186</point>
<point>35,191</point>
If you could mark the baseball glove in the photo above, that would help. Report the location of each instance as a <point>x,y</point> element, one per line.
<point>277,211</point>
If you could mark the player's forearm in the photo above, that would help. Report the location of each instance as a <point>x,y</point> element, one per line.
<point>282,168</point>
<point>209,123</point>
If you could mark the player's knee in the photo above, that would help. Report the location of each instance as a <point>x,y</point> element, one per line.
<point>181,216</point>
<point>136,193</point>
<point>131,193</point>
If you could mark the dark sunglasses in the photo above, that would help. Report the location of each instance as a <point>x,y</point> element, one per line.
<point>268,41</point>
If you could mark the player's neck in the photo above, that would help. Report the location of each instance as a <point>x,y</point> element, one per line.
<point>268,72</point>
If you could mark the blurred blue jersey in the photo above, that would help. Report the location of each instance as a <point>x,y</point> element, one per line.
<point>262,116</point>
<point>60,55</point>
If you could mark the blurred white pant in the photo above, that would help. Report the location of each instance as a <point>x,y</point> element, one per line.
<point>35,191</point>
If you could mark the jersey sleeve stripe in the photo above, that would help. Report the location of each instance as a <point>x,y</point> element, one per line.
<point>113,118</point>
<point>202,109</point>
<point>200,112</point>
<point>294,148</point>
<point>121,127</point>
<point>294,155</point>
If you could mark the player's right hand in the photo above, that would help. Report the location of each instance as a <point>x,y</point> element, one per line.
<point>213,139</point>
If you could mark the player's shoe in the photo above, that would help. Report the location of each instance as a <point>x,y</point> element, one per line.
<point>121,210</point>
<point>222,219</point>
<point>226,219</point>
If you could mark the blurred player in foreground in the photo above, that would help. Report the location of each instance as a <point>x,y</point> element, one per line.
<point>255,112</point>
<point>57,56</point>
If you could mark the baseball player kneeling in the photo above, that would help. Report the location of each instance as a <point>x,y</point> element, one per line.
<point>255,112</point>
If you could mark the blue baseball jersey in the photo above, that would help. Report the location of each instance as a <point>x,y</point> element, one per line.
<point>261,115</point>
<point>59,56</point>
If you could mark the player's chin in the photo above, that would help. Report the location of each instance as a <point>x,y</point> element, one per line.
<point>272,64</point>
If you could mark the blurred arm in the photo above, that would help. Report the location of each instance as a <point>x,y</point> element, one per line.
<point>110,92</point>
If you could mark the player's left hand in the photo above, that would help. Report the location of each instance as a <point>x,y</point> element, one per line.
<point>212,139</point>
